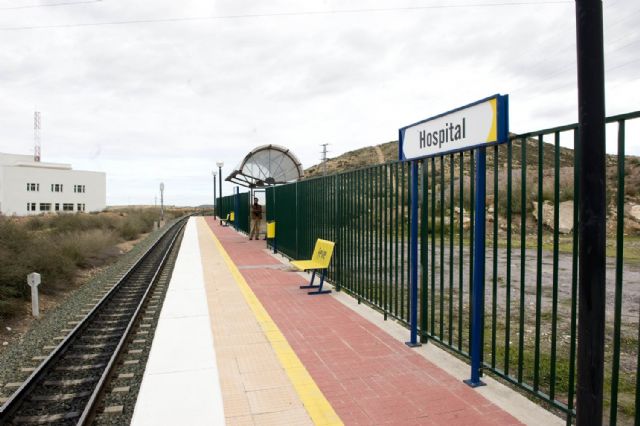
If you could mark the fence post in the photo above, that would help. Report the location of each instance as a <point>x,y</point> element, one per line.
<point>592,210</point>
<point>477,289</point>
<point>236,206</point>
<point>413,259</point>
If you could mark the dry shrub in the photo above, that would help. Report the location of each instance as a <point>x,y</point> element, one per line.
<point>66,223</point>
<point>531,188</point>
<point>131,229</point>
<point>56,246</point>
<point>90,248</point>
<point>23,252</point>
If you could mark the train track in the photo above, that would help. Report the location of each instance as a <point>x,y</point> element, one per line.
<point>67,386</point>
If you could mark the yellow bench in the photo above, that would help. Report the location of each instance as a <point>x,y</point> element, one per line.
<point>230,217</point>
<point>319,262</point>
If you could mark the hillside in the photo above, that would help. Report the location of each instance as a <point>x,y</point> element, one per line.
<point>356,159</point>
<point>388,152</point>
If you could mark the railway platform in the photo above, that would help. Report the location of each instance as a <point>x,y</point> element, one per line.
<point>239,343</point>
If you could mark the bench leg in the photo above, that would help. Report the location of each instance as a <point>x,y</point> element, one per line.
<point>310,285</point>
<point>320,290</point>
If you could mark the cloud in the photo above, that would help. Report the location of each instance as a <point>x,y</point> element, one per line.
<point>145,102</point>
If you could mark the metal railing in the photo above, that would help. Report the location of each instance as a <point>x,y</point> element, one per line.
<point>531,277</point>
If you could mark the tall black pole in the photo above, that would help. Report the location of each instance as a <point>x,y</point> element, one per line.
<point>591,269</point>
<point>220,183</point>
<point>215,212</point>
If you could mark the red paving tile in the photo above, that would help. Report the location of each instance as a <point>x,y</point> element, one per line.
<point>367,375</point>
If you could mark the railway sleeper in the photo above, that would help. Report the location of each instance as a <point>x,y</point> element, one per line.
<point>96,346</point>
<point>97,330</point>
<point>81,367</point>
<point>128,301</point>
<point>99,336</point>
<point>48,418</point>
<point>86,356</point>
<point>60,396</point>
<point>72,382</point>
<point>126,313</point>
<point>112,321</point>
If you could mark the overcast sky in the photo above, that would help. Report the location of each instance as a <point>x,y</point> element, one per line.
<point>157,90</point>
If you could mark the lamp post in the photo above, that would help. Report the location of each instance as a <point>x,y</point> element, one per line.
<point>162,201</point>
<point>220,164</point>
<point>213,173</point>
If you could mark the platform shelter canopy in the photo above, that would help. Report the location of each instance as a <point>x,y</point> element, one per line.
<point>267,165</point>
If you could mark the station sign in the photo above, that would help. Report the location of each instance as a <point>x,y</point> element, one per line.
<point>481,123</point>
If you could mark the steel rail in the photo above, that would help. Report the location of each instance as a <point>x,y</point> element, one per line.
<point>89,410</point>
<point>19,396</point>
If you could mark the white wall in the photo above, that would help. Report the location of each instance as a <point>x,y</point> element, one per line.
<point>14,195</point>
<point>11,159</point>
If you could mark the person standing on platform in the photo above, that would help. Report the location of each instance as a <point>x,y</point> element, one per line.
<point>256,219</point>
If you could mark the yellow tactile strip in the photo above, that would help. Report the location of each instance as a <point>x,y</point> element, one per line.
<point>252,371</point>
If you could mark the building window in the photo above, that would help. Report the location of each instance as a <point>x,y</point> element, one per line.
<point>33,207</point>
<point>56,187</point>
<point>57,207</point>
<point>79,188</point>
<point>80,207</point>
<point>33,187</point>
<point>45,207</point>
<point>67,207</point>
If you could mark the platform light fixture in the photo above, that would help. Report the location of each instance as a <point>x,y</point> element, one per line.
<point>220,164</point>
<point>213,173</point>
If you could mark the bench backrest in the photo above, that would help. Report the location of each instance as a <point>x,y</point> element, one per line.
<point>322,252</point>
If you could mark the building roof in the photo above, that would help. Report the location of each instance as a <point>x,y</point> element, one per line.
<point>20,160</point>
<point>267,165</point>
<point>13,159</point>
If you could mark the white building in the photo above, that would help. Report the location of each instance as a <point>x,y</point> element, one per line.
<point>28,187</point>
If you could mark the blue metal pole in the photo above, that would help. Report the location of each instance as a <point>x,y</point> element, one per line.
<point>477,321</point>
<point>414,256</point>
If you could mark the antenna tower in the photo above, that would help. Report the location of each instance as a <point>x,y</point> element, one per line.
<point>36,136</point>
<point>324,158</point>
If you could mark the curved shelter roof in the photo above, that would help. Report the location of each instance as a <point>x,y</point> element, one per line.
<point>267,165</point>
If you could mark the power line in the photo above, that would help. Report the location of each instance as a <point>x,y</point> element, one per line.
<point>623,65</point>
<point>563,84</point>
<point>571,66</point>
<point>35,6</point>
<point>286,14</point>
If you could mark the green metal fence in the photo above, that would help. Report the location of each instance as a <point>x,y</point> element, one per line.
<point>531,262</point>
<point>239,204</point>
<point>224,206</point>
